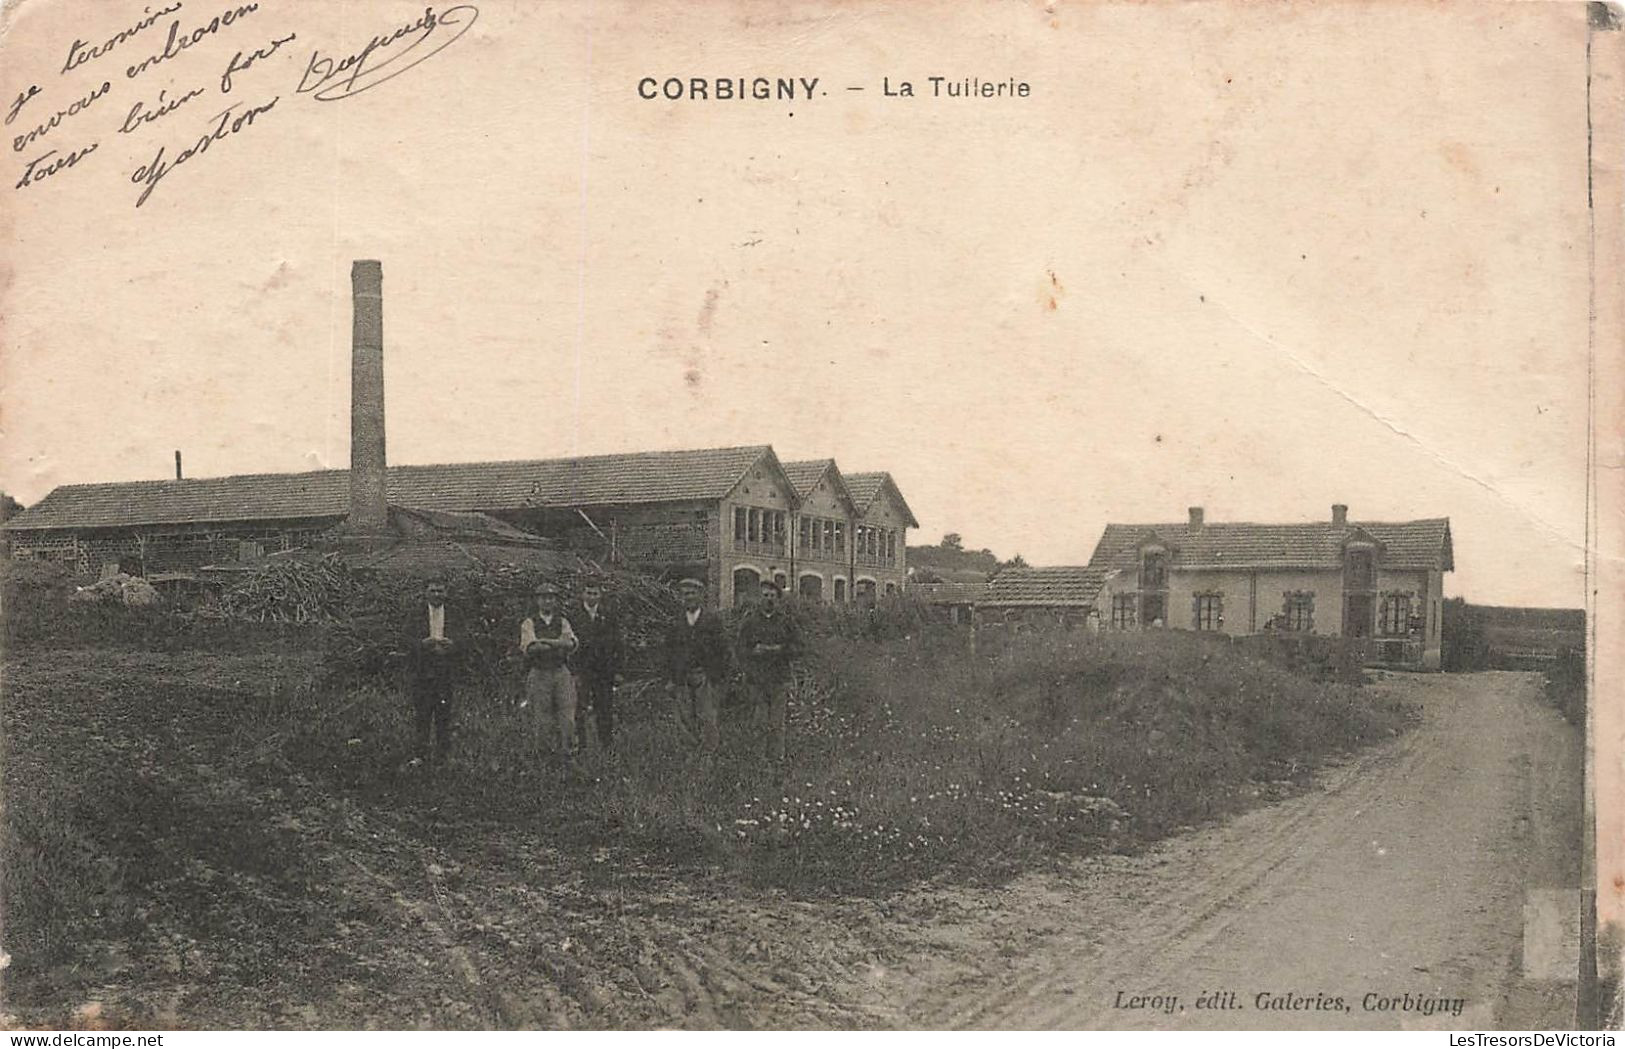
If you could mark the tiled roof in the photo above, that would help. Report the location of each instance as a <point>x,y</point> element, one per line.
<point>804,475</point>
<point>866,486</point>
<point>600,480</point>
<point>1405,544</point>
<point>949,593</point>
<point>1061,585</point>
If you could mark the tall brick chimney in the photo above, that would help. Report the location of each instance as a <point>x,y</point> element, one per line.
<point>369,506</point>
<point>1340,515</point>
<point>1196,519</point>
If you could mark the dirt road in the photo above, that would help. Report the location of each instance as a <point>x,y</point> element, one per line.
<point>1404,873</point>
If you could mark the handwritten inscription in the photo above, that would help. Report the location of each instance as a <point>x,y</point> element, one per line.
<point>239,62</point>
<point>171,30</point>
<point>151,173</point>
<point>328,79</point>
<point>43,166</point>
<point>81,52</point>
<point>79,105</point>
<point>140,115</point>
<point>178,41</point>
<point>22,100</point>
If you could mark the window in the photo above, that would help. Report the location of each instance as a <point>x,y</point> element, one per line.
<point>891,547</point>
<point>806,533</point>
<point>1208,611</point>
<point>1298,611</point>
<point>755,525</point>
<point>840,590</point>
<point>840,537</point>
<point>740,516</point>
<point>1154,570</point>
<point>829,536</point>
<point>778,527</point>
<point>1123,609</point>
<point>1396,615</point>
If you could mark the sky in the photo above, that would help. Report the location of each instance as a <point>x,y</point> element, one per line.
<point>1260,259</point>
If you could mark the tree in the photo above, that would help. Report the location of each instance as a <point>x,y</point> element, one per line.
<point>1015,562</point>
<point>9,507</point>
<point>953,541</point>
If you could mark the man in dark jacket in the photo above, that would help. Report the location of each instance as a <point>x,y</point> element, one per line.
<point>697,665</point>
<point>432,653</point>
<point>600,649</point>
<point>769,643</point>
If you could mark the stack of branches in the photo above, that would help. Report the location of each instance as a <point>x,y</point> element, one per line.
<point>316,591</point>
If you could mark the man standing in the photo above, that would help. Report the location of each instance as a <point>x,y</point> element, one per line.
<point>769,643</point>
<point>547,640</point>
<point>598,660</point>
<point>431,657</point>
<point>696,665</point>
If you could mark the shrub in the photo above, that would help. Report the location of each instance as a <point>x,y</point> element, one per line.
<point>1463,636</point>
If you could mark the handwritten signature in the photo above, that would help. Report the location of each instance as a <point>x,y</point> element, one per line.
<point>328,80</point>
<point>150,173</point>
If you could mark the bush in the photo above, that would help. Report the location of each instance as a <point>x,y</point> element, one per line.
<point>1463,636</point>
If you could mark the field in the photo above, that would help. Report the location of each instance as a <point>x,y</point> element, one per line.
<point>203,837</point>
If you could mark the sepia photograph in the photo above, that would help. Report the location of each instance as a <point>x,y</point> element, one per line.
<point>626,515</point>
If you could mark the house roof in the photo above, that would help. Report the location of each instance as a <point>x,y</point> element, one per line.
<point>865,487</point>
<point>804,475</point>
<point>950,593</point>
<point>1317,544</point>
<point>1057,586</point>
<point>599,480</point>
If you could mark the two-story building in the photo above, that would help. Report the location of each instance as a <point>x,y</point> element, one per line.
<point>1363,579</point>
<point>848,535</point>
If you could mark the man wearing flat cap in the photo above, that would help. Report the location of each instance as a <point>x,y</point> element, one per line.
<point>696,665</point>
<point>547,640</point>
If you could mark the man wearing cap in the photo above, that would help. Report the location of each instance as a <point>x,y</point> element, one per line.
<point>598,659</point>
<point>431,662</point>
<point>696,664</point>
<point>546,640</point>
<point>768,644</point>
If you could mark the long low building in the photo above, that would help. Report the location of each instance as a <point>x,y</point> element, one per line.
<point>731,516</point>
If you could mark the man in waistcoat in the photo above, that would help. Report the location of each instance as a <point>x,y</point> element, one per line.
<point>546,641</point>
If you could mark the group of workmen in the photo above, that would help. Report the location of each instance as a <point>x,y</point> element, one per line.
<point>574,657</point>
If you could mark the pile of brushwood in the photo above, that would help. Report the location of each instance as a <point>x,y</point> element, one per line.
<point>316,591</point>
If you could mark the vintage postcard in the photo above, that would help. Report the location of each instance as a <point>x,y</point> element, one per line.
<point>1004,514</point>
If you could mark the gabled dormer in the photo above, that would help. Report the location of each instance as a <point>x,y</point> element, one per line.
<point>1155,555</point>
<point>1362,557</point>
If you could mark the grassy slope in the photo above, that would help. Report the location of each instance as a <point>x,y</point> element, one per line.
<point>193,835</point>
